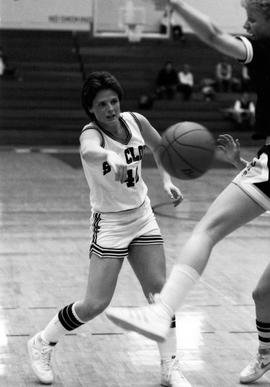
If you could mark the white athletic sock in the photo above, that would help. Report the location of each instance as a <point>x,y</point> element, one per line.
<point>63,322</point>
<point>180,282</point>
<point>168,348</point>
<point>53,331</point>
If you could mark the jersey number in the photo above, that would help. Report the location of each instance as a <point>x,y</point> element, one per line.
<point>132,177</point>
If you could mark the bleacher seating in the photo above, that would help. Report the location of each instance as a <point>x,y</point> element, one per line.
<point>44,107</point>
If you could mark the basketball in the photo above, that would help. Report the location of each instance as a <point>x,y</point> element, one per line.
<point>187,150</point>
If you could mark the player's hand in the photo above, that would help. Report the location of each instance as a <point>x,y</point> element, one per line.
<point>230,147</point>
<point>118,165</point>
<point>174,193</point>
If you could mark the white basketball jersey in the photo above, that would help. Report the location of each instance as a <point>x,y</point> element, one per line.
<point>106,194</point>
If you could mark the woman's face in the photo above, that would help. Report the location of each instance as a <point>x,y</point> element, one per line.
<point>256,24</point>
<point>106,107</point>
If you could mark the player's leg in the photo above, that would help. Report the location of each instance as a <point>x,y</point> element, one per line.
<point>100,289</point>
<point>230,210</point>
<point>148,263</point>
<point>261,363</point>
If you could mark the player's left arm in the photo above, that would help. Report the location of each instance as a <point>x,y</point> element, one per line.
<point>152,140</point>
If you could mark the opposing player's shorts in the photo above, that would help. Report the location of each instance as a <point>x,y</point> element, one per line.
<point>113,233</point>
<point>254,179</point>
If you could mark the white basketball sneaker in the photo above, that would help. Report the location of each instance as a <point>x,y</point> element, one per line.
<point>151,321</point>
<point>40,357</point>
<point>171,374</point>
<point>256,368</point>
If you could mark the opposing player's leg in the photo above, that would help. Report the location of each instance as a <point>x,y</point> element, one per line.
<point>230,210</point>
<point>100,289</point>
<point>148,262</point>
<point>261,364</point>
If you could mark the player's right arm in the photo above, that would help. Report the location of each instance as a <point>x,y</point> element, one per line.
<point>208,32</point>
<point>93,152</point>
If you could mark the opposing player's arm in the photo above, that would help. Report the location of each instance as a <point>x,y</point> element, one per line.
<point>208,32</point>
<point>153,140</point>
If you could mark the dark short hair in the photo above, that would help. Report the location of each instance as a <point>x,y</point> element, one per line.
<point>95,82</point>
<point>263,6</point>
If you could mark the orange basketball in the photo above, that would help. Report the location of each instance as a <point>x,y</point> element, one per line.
<point>187,150</point>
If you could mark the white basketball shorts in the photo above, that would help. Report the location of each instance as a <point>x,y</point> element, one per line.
<point>113,233</point>
<point>254,179</point>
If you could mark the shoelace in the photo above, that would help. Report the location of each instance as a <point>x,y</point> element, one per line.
<point>256,363</point>
<point>176,367</point>
<point>46,354</point>
<point>173,365</point>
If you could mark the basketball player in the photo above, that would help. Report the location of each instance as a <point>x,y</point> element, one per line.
<point>122,224</point>
<point>247,197</point>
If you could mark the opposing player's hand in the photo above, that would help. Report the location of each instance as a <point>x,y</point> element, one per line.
<point>119,167</point>
<point>230,147</point>
<point>174,193</point>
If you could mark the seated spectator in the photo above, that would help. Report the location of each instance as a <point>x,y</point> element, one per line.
<point>6,71</point>
<point>186,82</point>
<point>208,89</point>
<point>245,79</point>
<point>223,76</point>
<point>243,112</point>
<point>167,81</point>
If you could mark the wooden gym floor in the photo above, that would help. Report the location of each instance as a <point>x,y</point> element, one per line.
<point>44,263</point>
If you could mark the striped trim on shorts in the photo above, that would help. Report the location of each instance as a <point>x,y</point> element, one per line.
<point>254,180</point>
<point>147,240</point>
<point>113,234</point>
<point>103,252</point>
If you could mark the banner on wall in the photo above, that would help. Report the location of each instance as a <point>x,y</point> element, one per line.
<point>46,14</point>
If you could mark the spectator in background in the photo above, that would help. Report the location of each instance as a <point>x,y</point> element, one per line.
<point>223,76</point>
<point>243,112</point>
<point>186,82</point>
<point>208,89</point>
<point>167,81</point>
